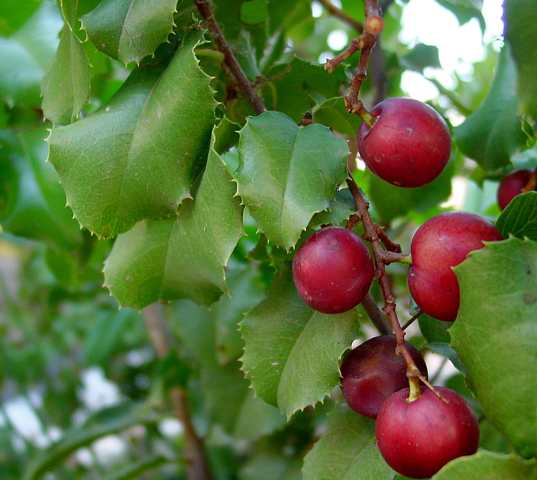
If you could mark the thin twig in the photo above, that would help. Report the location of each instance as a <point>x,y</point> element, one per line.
<point>376,316</point>
<point>337,12</point>
<point>389,244</point>
<point>378,68</point>
<point>412,319</point>
<point>196,463</point>
<point>206,11</point>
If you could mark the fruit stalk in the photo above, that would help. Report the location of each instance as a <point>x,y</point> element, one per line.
<point>206,11</point>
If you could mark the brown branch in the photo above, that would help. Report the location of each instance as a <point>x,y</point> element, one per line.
<point>206,11</point>
<point>196,463</point>
<point>413,373</point>
<point>374,24</point>
<point>338,13</point>
<point>389,244</point>
<point>374,313</point>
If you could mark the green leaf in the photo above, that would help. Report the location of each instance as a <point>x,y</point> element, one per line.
<point>26,56</point>
<point>136,158</point>
<point>493,132</point>
<point>520,217</point>
<point>105,336</point>
<point>182,257</point>
<point>270,466</point>
<point>521,18</point>
<point>135,471</point>
<point>267,418</point>
<point>246,291</point>
<point>333,114</point>
<point>229,400</point>
<point>465,10</point>
<point>106,422</point>
<point>254,11</point>
<point>287,173</point>
<point>391,201</point>
<point>496,338</point>
<point>291,352</point>
<point>488,466</point>
<point>346,451</point>
<point>14,13</point>
<point>342,206</point>
<point>421,57</point>
<point>434,330</point>
<point>299,85</point>
<point>66,87</point>
<point>129,30</point>
<point>32,203</point>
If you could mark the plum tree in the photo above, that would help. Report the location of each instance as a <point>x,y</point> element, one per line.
<point>513,185</point>
<point>332,271</point>
<point>418,438</point>
<point>438,245</point>
<point>373,371</point>
<point>408,145</point>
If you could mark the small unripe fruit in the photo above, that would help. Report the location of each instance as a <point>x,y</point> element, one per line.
<point>408,145</point>
<point>332,271</point>
<point>512,185</point>
<point>418,438</point>
<point>373,371</point>
<point>438,245</point>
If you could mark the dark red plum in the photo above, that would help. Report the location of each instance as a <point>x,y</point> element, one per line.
<point>332,270</point>
<point>373,371</point>
<point>408,145</point>
<point>418,438</point>
<point>438,245</point>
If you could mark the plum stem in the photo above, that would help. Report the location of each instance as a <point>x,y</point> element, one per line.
<point>414,391</point>
<point>206,11</point>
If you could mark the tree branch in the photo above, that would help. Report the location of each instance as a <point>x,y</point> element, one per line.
<point>338,13</point>
<point>376,316</point>
<point>196,463</point>
<point>379,254</point>
<point>385,251</point>
<point>206,11</point>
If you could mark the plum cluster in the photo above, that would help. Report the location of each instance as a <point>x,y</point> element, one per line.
<point>408,145</point>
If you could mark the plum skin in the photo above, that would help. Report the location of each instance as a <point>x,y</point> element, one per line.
<point>409,144</point>
<point>373,371</point>
<point>332,270</point>
<point>438,245</point>
<point>511,186</point>
<point>418,438</point>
